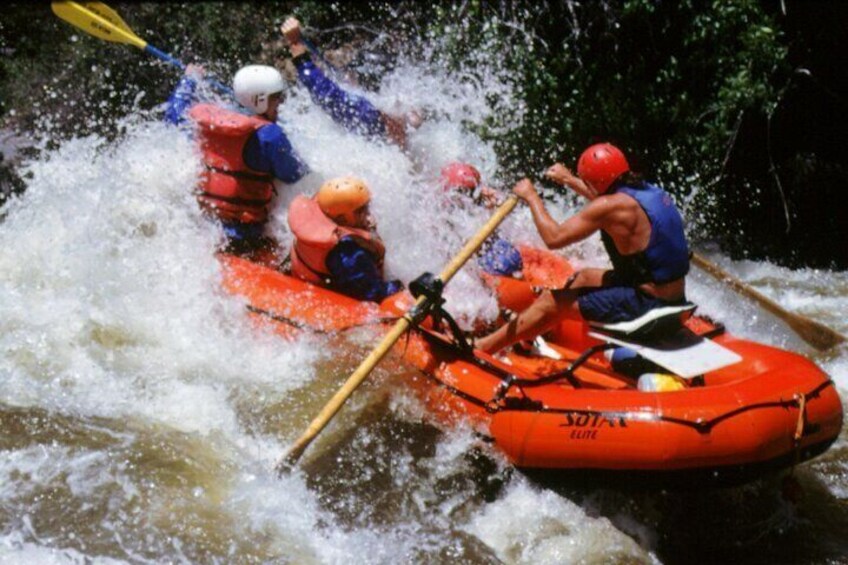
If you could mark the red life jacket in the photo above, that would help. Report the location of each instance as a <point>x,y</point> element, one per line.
<point>315,235</point>
<point>230,189</point>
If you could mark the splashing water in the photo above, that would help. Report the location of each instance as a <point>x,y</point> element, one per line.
<point>142,412</point>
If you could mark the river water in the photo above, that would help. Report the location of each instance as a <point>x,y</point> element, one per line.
<point>142,412</point>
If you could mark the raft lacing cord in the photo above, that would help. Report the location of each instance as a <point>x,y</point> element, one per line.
<point>495,403</point>
<point>509,379</point>
<point>568,373</point>
<point>802,416</point>
<point>700,425</point>
<point>801,399</point>
<point>705,426</point>
<point>430,287</point>
<point>307,327</point>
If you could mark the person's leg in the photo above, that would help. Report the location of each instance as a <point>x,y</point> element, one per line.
<point>550,307</point>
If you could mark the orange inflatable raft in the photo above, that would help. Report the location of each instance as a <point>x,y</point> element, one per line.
<point>564,408</point>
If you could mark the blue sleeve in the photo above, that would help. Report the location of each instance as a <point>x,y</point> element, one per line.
<point>269,150</point>
<point>500,258</point>
<point>354,113</point>
<point>354,271</point>
<point>180,100</point>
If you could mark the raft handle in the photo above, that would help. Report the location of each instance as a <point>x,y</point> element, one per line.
<point>801,399</point>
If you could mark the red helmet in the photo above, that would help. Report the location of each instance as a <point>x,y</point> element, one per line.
<point>460,176</point>
<point>601,164</point>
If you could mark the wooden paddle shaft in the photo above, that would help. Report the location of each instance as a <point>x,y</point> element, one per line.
<point>335,404</point>
<point>816,334</point>
<point>475,242</point>
<point>359,375</point>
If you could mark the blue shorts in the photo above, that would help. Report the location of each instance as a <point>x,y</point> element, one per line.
<point>613,304</point>
<point>246,233</point>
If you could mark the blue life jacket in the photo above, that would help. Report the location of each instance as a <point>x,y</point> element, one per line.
<point>500,257</point>
<point>667,256</point>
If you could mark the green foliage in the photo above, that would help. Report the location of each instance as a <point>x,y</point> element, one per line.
<point>668,81</point>
<point>654,76</point>
<point>84,82</point>
<point>659,77</point>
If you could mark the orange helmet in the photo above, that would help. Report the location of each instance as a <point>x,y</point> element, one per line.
<point>460,176</point>
<point>341,197</point>
<point>601,164</point>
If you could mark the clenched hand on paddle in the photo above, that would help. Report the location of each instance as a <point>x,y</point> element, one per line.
<point>290,458</point>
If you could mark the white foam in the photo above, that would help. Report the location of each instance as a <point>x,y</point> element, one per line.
<point>528,525</point>
<point>15,549</point>
<point>112,312</point>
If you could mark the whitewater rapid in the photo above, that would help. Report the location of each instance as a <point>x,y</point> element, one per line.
<point>143,412</point>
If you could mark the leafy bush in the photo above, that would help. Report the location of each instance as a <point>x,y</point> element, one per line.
<point>673,83</point>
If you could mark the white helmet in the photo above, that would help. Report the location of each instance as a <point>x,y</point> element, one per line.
<point>253,85</point>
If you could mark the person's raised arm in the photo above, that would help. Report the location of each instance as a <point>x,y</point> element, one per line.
<point>563,176</point>
<point>291,31</point>
<point>556,235</point>
<point>183,95</point>
<point>354,113</point>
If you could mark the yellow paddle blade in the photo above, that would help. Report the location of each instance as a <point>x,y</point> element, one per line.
<point>95,24</point>
<point>109,15</point>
